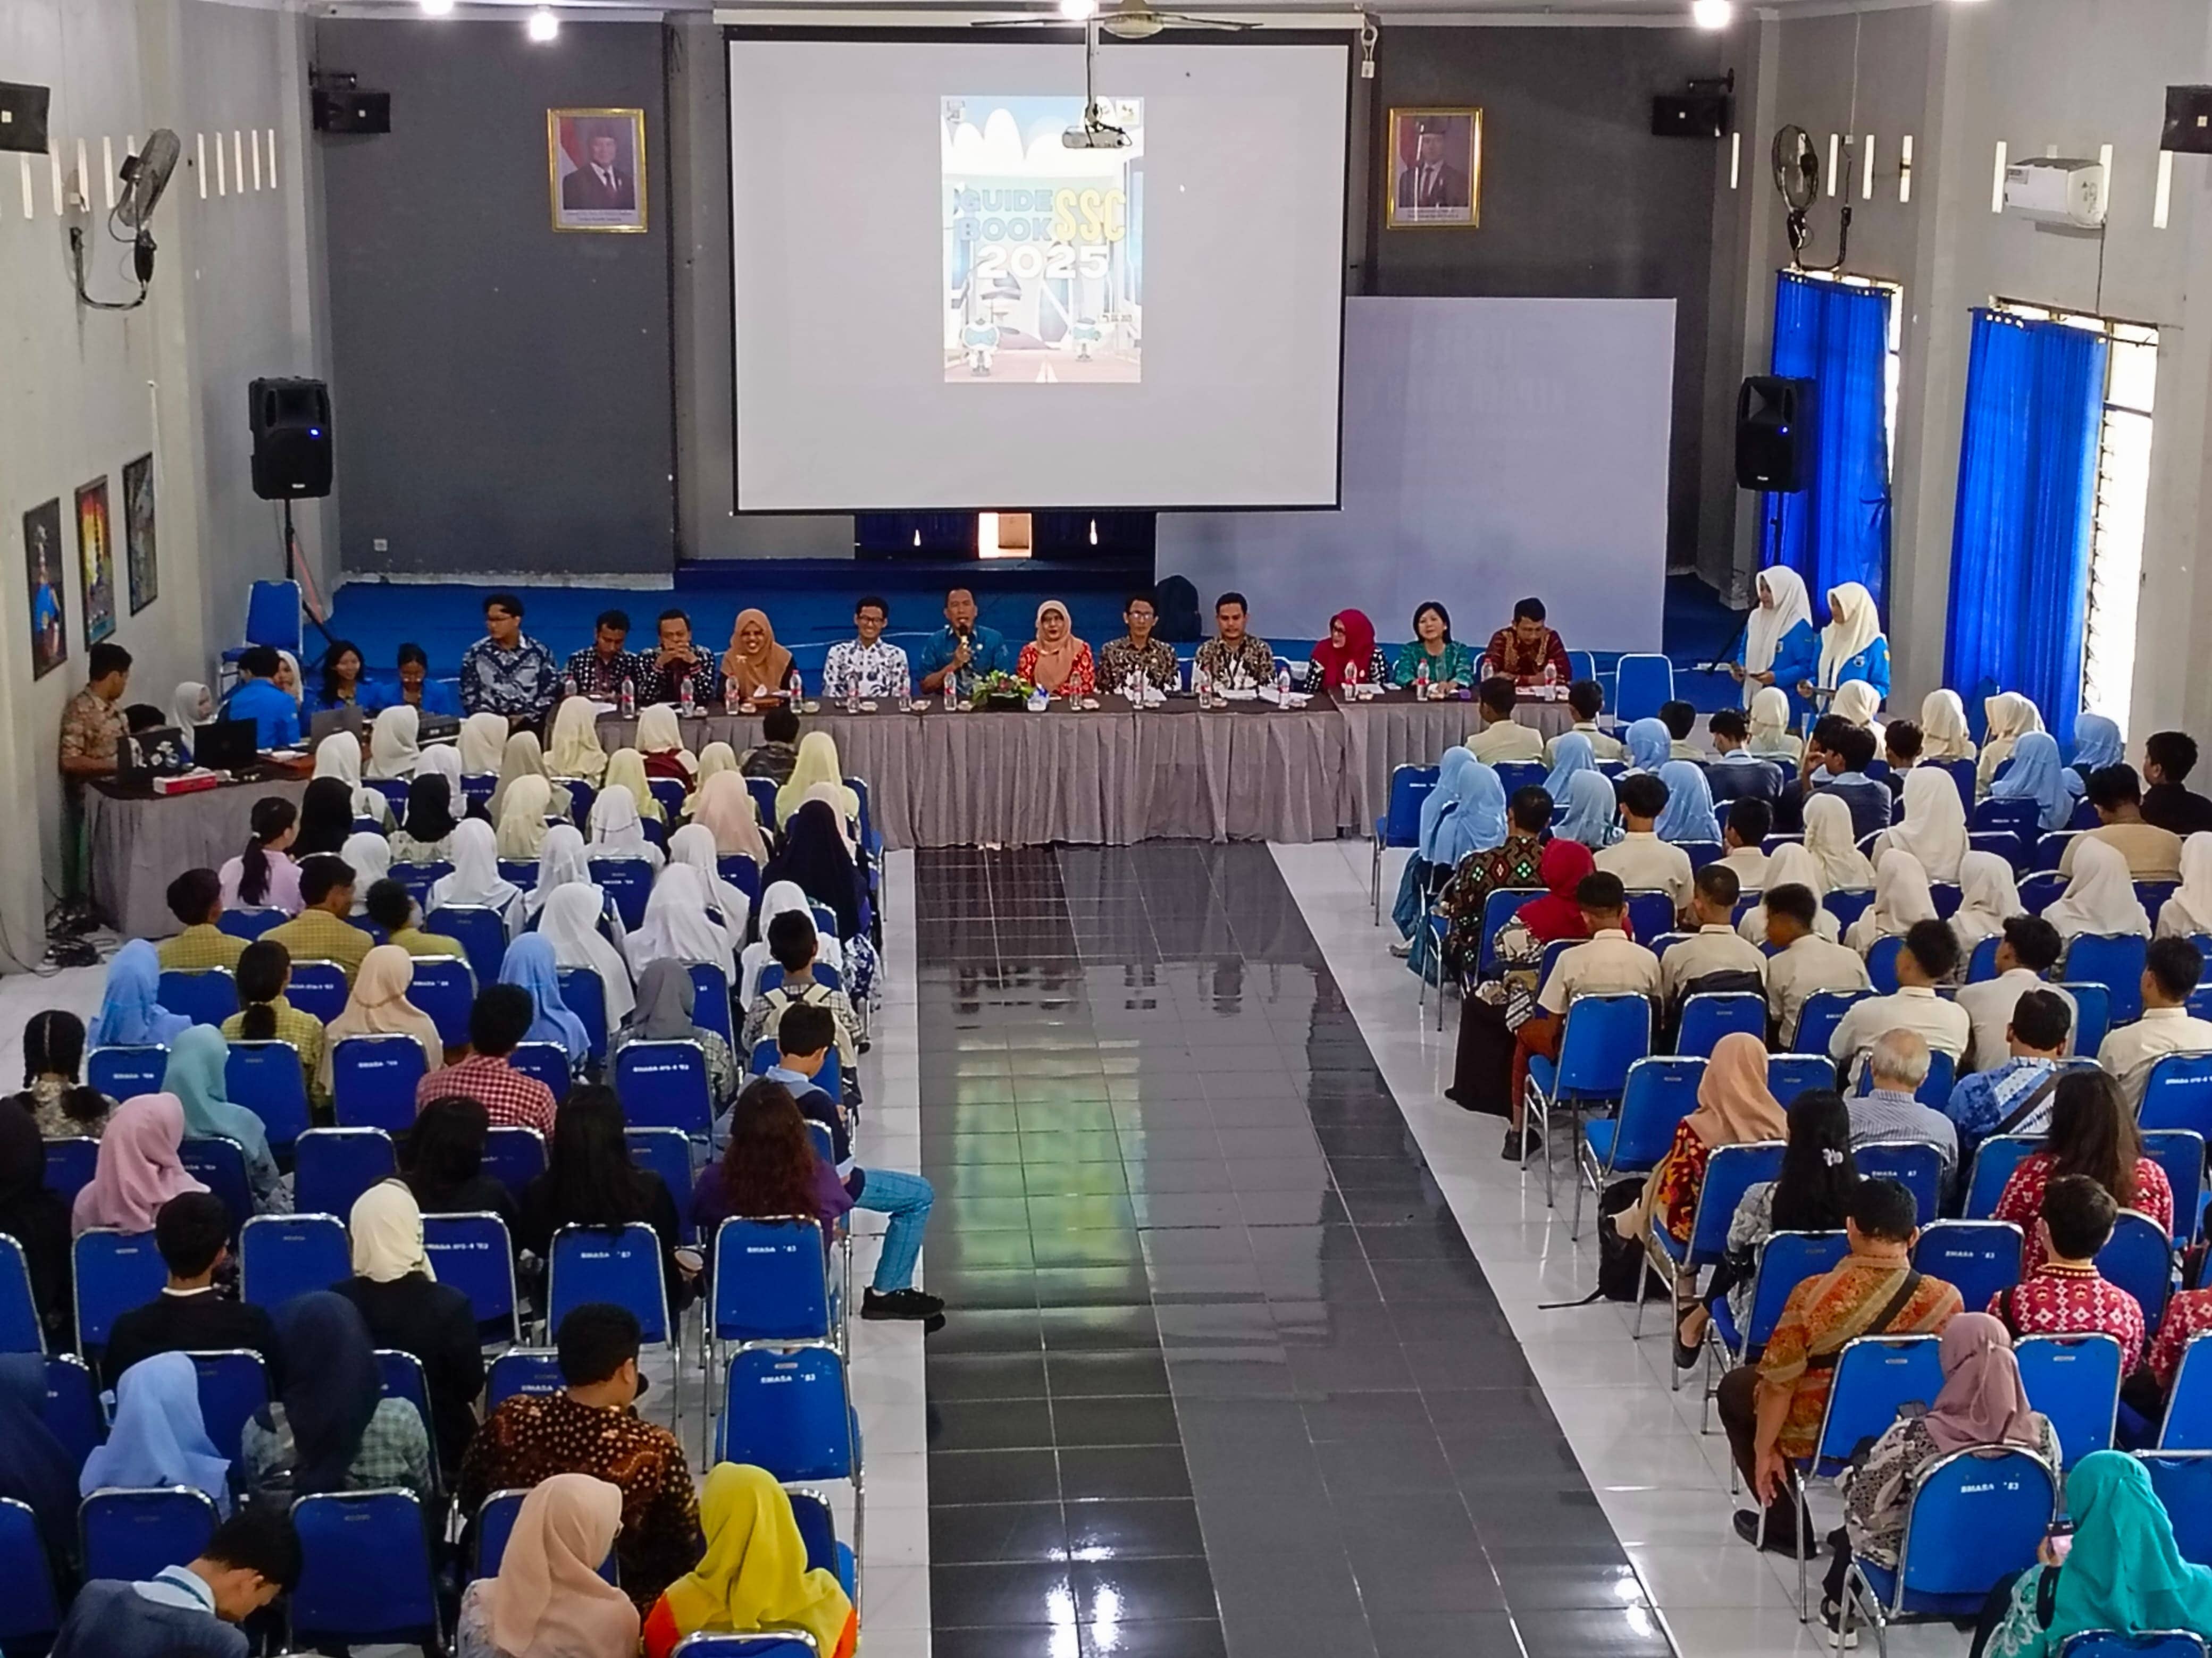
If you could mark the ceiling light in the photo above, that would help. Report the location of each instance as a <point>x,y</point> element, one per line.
<point>1078,10</point>
<point>1712,14</point>
<point>437,7</point>
<point>544,25</point>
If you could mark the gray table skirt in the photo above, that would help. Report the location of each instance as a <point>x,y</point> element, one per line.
<point>1389,732</point>
<point>142,843</point>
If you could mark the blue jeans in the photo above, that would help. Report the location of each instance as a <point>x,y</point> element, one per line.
<point>906,1199</point>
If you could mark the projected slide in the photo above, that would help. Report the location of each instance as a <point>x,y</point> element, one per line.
<point>1043,244</point>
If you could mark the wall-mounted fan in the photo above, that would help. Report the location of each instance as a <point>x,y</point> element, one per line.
<point>144,176</point>
<point>1797,176</point>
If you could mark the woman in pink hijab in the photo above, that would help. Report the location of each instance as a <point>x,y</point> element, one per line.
<point>547,1600</point>
<point>139,1169</point>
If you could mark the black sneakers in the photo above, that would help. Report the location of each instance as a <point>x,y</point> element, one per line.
<point>1520,1143</point>
<point>903,1303</point>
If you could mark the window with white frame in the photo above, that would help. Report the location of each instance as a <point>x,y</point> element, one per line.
<point>2116,537</point>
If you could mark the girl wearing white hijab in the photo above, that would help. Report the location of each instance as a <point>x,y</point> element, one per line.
<point>1852,645</point>
<point>522,758</point>
<point>370,857</point>
<point>1778,642</point>
<point>2101,897</point>
<point>570,923</point>
<point>444,759</point>
<point>1901,900</point>
<point>1988,899</point>
<point>626,770</point>
<point>616,830</point>
<point>1844,867</point>
<point>693,844</point>
<point>1858,702</point>
<point>288,674</point>
<point>1789,865</point>
<point>660,732</point>
<point>780,898</point>
<point>521,831</point>
<point>190,706</point>
<point>675,927</point>
<point>483,739</point>
<point>338,756</point>
<point>377,1005</point>
<point>1770,726</point>
<point>1943,733</point>
<point>2189,912</point>
<point>576,751</point>
<point>393,750</point>
<point>2009,717</point>
<point>1934,826</point>
<point>562,861</point>
<point>475,879</point>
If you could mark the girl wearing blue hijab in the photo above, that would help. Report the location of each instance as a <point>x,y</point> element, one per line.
<point>2035,773</point>
<point>199,1061</point>
<point>2097,744</point>
<point>1689,813</point>
<point>1476,821</point>
<point>160,1437</point>
<point>130,1014</point>
<point>1572,755</point>
<point>1413,885</point>
<point>1649,742</point>
<point>529,963</point>
<point>1591,806</point>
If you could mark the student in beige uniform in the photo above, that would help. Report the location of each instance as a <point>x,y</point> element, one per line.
<point>1587,702</point>
<point>1641,861</point>
<point>1930,956</point>
<point>1804,964</point>
<point>1502,737</point>
<point>2028,948</point>
<point>2153,854</point>
<point>1750,821</point>
<point>2170,972</point>
<point>1715,947</point>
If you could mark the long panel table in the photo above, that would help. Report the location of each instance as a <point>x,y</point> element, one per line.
<point>140,841</point>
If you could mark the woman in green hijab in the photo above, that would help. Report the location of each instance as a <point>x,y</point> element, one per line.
<point>198,1059</point>
<point>2122,1573</point>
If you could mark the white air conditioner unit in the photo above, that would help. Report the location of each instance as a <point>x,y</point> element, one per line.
<point>2053,190</point>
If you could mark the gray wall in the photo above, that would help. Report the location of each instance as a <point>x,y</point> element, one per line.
<point>1579,201</point>
<point>502,392</point>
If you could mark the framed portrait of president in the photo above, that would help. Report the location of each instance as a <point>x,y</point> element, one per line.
<point>1433,167</point>
<point>595,169</point>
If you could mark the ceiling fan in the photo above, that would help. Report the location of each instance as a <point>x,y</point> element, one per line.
<point>1125,20</point>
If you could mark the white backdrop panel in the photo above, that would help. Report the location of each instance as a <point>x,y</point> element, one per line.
<point>1493,448</point>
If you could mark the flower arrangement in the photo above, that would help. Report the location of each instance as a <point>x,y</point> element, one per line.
<point>1001,689</point>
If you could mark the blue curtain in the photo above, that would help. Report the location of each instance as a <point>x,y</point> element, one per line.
<point>1836,529</point>
<point>2019,545</point>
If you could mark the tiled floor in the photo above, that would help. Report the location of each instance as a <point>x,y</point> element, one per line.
<point>1222,1374</point>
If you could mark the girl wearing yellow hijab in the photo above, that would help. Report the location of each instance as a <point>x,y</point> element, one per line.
<point>754,1575</point>
<point>576,751</point>
<point>816,763</point>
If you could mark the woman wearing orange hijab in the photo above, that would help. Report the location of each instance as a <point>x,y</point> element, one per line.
<point>757,668</point>
<point>1056,662</point>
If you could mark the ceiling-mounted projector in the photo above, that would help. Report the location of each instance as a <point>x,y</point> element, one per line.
<point>1094,134</point>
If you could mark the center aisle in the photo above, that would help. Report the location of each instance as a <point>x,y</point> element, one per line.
<point>1222,1375</point>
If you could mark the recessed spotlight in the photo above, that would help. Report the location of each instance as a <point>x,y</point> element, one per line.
<point>1712,14</point>
<point>544,25</point>
<point>437,7</point>
<point>1078,10</point>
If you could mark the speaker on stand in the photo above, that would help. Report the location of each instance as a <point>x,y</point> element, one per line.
<point>290,420</point>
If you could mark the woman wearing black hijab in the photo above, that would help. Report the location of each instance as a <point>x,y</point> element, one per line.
<point>814,856</point>
<point>36,1219</point>
<point>35,1468</point>
<point>429,821</point>
<point>326,817</point>
<point>331,1429</point>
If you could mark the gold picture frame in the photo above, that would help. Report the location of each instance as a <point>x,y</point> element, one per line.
<point>1442,191</point>
<point>586,193</point>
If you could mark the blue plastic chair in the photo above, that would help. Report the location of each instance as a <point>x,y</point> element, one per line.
<point>771,1282</point>
<point>1642,681</point>
<point>2188,1425</point>
<point>1650,914</point>
<point>233,1386</point>
<point>1946,897</point>
<point>2016,817</point>
<point>281,1256</point>
<point>29,1613</point>
<point>265,1077</point>
<point>481,931</point>
<point>20,1329</point>
<point>249,924</point>
<point>365,1574</point>
<point>586,997</point>
<point>1881,964</point>
<point>785,1408</point>
<point>474,1254</point>
<point>670,795</point>
<point>2092,1016</point>
<point>1729,1172</point>
<point>1702,853</point>
<point>134,1535</point>
<point>1823,1012</point>
<point>1847,904</point>
<point>2180,1153</point>
<point>2184,1484</point>
<point>1875,1375</point>
<point>548,1062</point>
<point>477,788</point>
<point>762,790</point>
<point>401,1376</point>
<point>2112,1643</point>
<point>818,1529</point>
<point>1497,908</point>
<point>72,1412</point>
<point>1602,1037</point>
<point>2179,1094</point>
<point>1977,1258</point>
<point>667,1152</point>
<point>372,1082</point>
<point>605,1264</point>
<point>122,1072</point>
<point>495,1524</point>
<point>771,977</point>
<point>1982,965</point>
<point>2153,894</point>
<point>757,1644</point>
<point>663,1086</point>
<point>2140,1260</point>
<point>1786,1260</point>
<point>1976,1518</point>
<point>519,872</point>
<point>208,996</point>
<point>2038,892</point>
<point>318,987</point>
<point>2044,857</point>
<point>741,872</point>
<point>445,987</point>
<point>710,1002</point>
<point>1399,826</point>
<point>1788,1074</point>
<point>2115,962</point>
<point>419,878</point>
<point>513,1155</point>
<point>1658,1093</point>
<point>1995,1160</point>
<point>2075,1380</point>
<point>1514,775</point>
<point>522,1370</point>
<point>1915,1165</point>
<point>69,1165</point>
<point>333,1167</point>
<point>219,1165</point>
<point>628,881</point>
<point>272,618</point>
<point>1706,1019</point>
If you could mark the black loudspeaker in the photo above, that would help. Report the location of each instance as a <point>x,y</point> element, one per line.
<point>23,117</point>
<point>347,110</point>
<point>1774,433</point>
<point>291,425</point>
<point>2188,120</point>
<point>1700,115</point>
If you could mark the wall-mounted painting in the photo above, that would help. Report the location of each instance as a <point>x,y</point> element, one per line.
<point>95,561</point>
<point>44,559</point>
<point>138,532</point>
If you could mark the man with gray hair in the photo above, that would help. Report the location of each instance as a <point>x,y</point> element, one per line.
<point>1897,1064</point>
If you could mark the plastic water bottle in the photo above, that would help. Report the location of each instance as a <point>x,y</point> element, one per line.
<point>798,687</point>
<point>1421,676</point>
<point>853,696</point>
<point>627,702</point>
<point>568,685</point>
<point>1283,685</point>
<point>1551,680</point>
<point>685,699</point>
